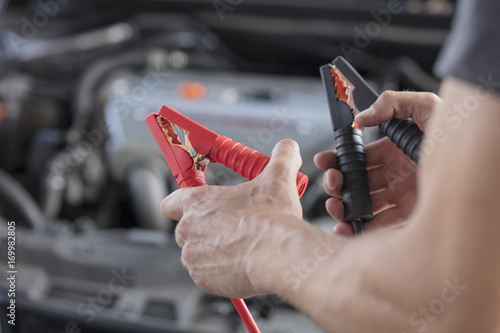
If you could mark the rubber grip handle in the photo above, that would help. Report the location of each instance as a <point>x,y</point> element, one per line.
<point>351,158</point>
<point>191,178</point>
<point>405,134</point>
<point>246,161</point>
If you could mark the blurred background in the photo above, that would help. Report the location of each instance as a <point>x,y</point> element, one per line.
<point>82,177</point>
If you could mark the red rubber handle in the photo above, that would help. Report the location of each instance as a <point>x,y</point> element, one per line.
<point>247,162</point>
<point>191,178</point>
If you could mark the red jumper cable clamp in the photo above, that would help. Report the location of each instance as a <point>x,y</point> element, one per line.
<point>188,161</point>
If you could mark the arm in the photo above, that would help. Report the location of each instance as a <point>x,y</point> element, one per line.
<point>245,240</point>
<point>453,235</point>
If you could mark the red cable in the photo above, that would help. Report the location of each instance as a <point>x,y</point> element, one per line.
<point>245,315</point>
<point>239,158</point>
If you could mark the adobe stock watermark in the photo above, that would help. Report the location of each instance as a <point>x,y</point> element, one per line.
<point>406,168</point>
<point>301,271</point>
<point>11,272</point>
<point>223,6</point>
<point>264,136</point>
<point>103,299</point>
<point>425,315</point>
<point>363,36</point>
<point>31,26</point>
<point>460,112</point>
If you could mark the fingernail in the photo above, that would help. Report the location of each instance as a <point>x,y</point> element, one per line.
<point>368,112</point>
<point>329,183</point>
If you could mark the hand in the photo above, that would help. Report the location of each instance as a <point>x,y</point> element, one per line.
<point>223,231</point>
<point>392,175</point>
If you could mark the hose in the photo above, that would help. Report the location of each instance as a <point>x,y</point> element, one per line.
<point>17,198</point>
<point>147,189</point>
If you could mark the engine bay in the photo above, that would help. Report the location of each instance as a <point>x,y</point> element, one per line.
<point>81,174</point>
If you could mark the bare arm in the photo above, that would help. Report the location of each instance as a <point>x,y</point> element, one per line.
<point>250,239</point>
<point>453,236</point>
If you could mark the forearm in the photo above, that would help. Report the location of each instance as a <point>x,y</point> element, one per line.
<point>387,280</point>
<point>460,187</point>
<point>349,285</point>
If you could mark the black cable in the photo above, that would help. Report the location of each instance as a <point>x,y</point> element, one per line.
<point>357,227</point>
<point>17,198</point>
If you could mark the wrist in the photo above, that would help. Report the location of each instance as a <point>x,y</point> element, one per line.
<point>279,237</point>
<point>287,255</point>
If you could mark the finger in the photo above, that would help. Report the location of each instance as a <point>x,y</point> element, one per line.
<point>285,161</point>
<point>385,214</point>
<point>376,179</point>
<point>390,218</point>
<point>332,182</point>
<point>326,160</point>
<point>172,207</point>
<point>179,235</point>
<point>404,104</point>
<point>382,200</point>
<point>379,151</point>
<point>387,219</point>
<point>344,229</point>
<point>335,208</point>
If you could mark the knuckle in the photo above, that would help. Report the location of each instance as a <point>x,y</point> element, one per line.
<point>164,207</point>
<point>193,196</point>
<point>182,230</point>
<point>279,165</point>
<point>188,255</point>
<point>199,280</point>
<point>434,98</point>
<point>388,95</point>
<point>179,240</point>
<point>387,146</point>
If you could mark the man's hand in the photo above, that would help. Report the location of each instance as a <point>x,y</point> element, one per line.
<point>223,230</point>
<point>392,175</point>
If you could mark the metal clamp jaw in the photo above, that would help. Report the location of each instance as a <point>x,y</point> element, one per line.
<point>347,92</point>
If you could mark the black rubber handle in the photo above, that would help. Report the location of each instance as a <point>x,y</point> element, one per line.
<point>405,134</point>
<point>355,191</point>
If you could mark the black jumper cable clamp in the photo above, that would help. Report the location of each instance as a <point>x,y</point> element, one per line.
<point>348,94</point>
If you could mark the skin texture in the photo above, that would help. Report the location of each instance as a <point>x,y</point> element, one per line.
<point>250,239</point>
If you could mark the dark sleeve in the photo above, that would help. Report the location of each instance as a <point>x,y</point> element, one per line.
<point>472,50</point>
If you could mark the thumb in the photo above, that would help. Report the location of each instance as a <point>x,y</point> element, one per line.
<point>416,105</point>
<point>285,161</point>
<point>381,110</point>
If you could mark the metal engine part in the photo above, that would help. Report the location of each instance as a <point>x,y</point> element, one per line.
<point>120,281</point>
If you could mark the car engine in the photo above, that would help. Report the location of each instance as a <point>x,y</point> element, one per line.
<point>82,178</point>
